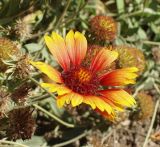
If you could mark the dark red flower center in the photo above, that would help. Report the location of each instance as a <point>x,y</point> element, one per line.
<point>81,80</point>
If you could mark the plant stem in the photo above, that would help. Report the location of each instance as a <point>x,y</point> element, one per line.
<point>34,99</point>
<point>37,83</point>
<point>13,143</point>
<point>79,8</point>
<point>151,43</point>
<point>153,117</point>
<point>130,14</point>
<point>71,140</point>
<point>45,111</point>
<point>63,14</point>
<point>53,116</point>
<point>109,2</point>
<point>157,89</point>
<point>50,27</point>
<point>152,123</point>
<point>140,87</point>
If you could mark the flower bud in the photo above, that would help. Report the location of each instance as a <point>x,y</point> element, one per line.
<point>146,105</point>
<point>104,28</point>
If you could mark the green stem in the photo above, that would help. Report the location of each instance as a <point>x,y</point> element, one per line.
<point>50,27</point>
<point>37,83</point>
<point>157,89</point>
<point>130,14</point>
<point>53,116</point>
<point>151,43</point>
<point>109,2</point>
<point>140,87</point>
<point>13,143</point>
<point>63,14</point>
<point>79,8</point>
<point>38,98</point>
<point>72,140</point>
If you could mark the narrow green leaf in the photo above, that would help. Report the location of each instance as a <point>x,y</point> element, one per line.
<point>120,6</point>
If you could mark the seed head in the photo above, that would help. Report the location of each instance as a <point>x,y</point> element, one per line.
<point>7,49</point>
<point>21,124</point>
<point>22,29</point>
<point>22,67</point>
<point>104,27</point>
<point>19,95</point>
<point>130,56</point>
<point>146,105</point>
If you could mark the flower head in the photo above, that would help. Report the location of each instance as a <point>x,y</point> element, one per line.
<point>146,105</point>
<point>130,56</point>
<point>22,29</point>
<point>78,84</point>
<point>7,49</point>
<point>21,67</point>
<point>19,95</point>
<point>21,124</point>
<point>104,27</point>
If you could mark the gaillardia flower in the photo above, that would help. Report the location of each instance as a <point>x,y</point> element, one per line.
<point>78,84</point>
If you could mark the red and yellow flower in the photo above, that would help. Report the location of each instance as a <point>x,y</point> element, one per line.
<point>78,84</point>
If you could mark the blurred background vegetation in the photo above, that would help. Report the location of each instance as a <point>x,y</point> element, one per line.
<point>25,22</point>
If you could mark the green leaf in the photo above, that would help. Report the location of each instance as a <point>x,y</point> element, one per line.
<point>35,141</point>
<point>33,47</point>
<point>142,34</point>
<point>120,6</point>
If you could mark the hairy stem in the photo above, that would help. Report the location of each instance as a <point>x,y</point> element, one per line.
<point>53,116</point>
<point>37,83</point>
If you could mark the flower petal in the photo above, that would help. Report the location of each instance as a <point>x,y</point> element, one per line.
<point>80,46</point>
<point>61,100</point>
<point>119,77</point>
<point>52,73</point>
<point>115,106</point>
<point>76,46</point>
<point>103,59</point>
<point>74,98</point>
<point>88,100</point>
<point>60,89</point>
<point>70,44</point>
<point>118,96</point>
<point>111,117</point>
<point>98,102</point>
<point>57,47</point>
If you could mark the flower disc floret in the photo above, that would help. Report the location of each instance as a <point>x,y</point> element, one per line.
<point>81,80</point>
